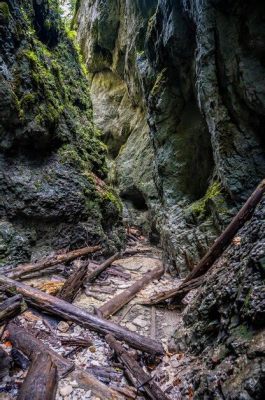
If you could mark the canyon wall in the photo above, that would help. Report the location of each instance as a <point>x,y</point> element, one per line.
<point>178,91</point>
<point>52,161</point>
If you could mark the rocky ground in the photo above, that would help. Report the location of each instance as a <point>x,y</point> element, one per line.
<point>214,345</point>
<point>157,323</point>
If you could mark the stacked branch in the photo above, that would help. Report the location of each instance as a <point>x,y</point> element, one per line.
<point>69,312</point>
<point>22,340</point>
<point>26,269</point>
<point>134,372</point>
<point>101,268</point>
<point>73,284</point>
<point>217,249</point>
<point>10,308</point>
<point>31,346</point>
<point>41,380</point>
<point>117,302</point>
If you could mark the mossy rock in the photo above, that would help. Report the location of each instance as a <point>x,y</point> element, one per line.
<point>213,196</point>
<point>243,332</point>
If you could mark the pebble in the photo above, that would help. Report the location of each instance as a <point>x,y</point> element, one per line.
<point>63,326</point>
<point>66,390</point>
<point>140,322</point>
<point>132,327</point>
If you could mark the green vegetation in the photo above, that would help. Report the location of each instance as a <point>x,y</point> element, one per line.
<point>112,197</point>
<point>57,98</point>
<point>242,331</point>
<point>247,298</point>
<point>4,11</point>
<point>214,192</point>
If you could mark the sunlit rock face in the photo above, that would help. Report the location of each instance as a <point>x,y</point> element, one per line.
<point>51,159</point>
<point>111,35</point>
<point>178,90</point>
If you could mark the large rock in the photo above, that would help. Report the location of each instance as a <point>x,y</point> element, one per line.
<point>51,159</point>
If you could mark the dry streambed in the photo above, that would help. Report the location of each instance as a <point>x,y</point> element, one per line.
<point>88,350</point>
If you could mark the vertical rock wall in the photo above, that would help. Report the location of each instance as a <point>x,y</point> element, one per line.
<point>178,90</point>
<point>52,161</point>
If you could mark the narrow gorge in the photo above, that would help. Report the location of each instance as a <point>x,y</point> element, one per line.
<point>131,135</point>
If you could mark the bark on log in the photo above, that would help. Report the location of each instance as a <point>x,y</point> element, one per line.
<point>5,364</point>
<point>69,312</point>
<point>73,284</point>
<point>117,302</point>
<point>30,346</point>
<point>220,245</point>
<point>10,308</point>
<point>41,381</point>
<point>77,341</point>
<point>25,269</point>
<point>94,274</point>
<point>135,373</point>
<point>99,389</point>
<point>178,293</point>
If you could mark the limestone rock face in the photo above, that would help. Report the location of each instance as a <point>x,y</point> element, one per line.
<point>224,324</point>
<point>111,35</point>
<point>51,159</point>
<point>182,83</point>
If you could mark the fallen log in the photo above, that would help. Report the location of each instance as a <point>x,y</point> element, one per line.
<point>41,381</point>
<point>73,284</point>
<point>224,240</point>
<point>219,246</point>
<point>94,274</point>
<point>25,269</point>
<point>178,293</point>
<point>99,389</point>
<point>69,312</point>
<point>135,373</point>
<point>10,308</point>
<point>30,346</point>
<point>5,364</point>
<point>117,302</point>
<point>77,341</point>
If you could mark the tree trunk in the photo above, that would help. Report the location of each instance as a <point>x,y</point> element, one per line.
<point>10,308</point>
<point>117,302</point>
<point>41,380</point>
<point>135,373</point>
<point>73,313</point>
<point>94,274</point>
<point>73,284</point>
<point>26,269</point>
<point>30,346</point>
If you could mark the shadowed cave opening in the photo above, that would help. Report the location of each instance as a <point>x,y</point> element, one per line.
<point>137,199</point>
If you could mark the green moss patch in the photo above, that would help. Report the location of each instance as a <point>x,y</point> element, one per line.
<point>4,12</point>
<point>214,193</point>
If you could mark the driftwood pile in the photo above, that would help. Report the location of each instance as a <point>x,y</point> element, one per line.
<point>46,366</point>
